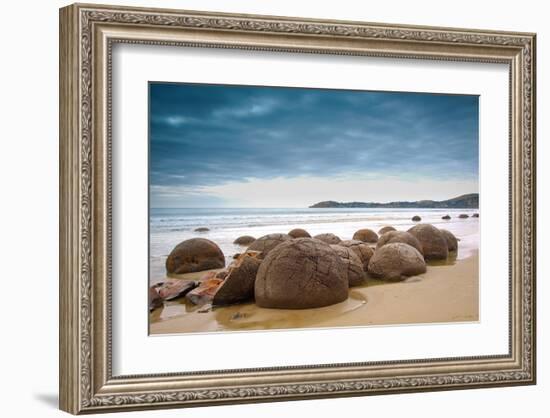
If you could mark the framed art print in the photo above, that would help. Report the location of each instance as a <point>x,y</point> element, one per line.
<point>260,208</point>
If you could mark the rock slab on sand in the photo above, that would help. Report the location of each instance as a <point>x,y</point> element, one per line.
<point>396,261</point>
<point>301,273</point>
<point>434,244</point>
<point>238,285</point>
<point>196,254</point>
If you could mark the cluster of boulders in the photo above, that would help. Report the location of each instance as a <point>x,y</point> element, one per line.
<point>297,271</point>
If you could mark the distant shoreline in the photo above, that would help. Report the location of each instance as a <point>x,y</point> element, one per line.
<point>467,201</point>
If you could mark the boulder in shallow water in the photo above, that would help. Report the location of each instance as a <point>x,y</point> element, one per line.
<point>244,240</point>
<point>299,233</point>
<point>299,274</point>
<point>268,242</point>
<point>361,249</point>
<point>175,288</point>
<point>238,285</point>
<point>434,244</point>
<point>328,238</point>
<point>353,265</point>
<point>202,229</point>
<point>155,301</point>
<point>452,242</point>
<point>396,261</point>
<point>365,235</point>
<point>446,217</point>
<point>385,229</point>
<point>416,218</point>
<point>400,236</point>
<point>475,215</point>
<point>463,216</point>
<point>205,292</point>
<point>195,254</point>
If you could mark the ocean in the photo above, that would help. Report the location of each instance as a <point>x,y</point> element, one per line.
<point>169,227</point>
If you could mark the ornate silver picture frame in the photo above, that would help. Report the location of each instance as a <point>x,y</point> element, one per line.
<point>87,36</point>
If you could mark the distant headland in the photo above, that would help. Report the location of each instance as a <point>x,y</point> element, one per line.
<point>466,201</point>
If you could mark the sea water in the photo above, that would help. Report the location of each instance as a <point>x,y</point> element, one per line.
<point>169,227</point>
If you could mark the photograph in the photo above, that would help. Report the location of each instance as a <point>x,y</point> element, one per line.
<point>277,208</point>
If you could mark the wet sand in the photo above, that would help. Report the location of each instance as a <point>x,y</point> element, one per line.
<point>445,293</point>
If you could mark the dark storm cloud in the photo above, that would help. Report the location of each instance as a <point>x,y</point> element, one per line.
<point>213,134</point>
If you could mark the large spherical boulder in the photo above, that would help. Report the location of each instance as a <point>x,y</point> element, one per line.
<point>452,242</point>
<point>365,235</point>
<point>475,215</point>
<point>195,254</point>
<point>244,240</point>
<point>463,216</point>
<point>434,244</point>
<point>238,284</point>
<point>446,217</point>
<point>301,273</point>
<point>396,261</point>
<point>416,218</point>
<point>361,249</point>
<point>400,236</point>
<point>385,229</point>
<point>299,233</point>
<point>328,238</point>
<point>353,265</point>
<point>266,243</point>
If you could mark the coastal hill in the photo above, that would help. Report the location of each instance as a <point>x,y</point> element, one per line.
<point>466,201</point>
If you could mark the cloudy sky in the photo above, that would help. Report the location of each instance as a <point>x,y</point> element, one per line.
<point>240,146</point>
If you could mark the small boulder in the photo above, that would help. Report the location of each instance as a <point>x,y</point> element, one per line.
<point>396,261</point>
<point>434,244</point>
<point>400,236</point>
<point>353,265</point>
<point>385,229</point>
<point>446,217</point>
<point>244,240</point>
<point>195,254</point>
<point>155,301</point>
<point>452,242</point>
<point>175,288</point>
<point>365,235</point>
<point>463,216</point>
<point>416,218</point>
<point>299,274</point>
<point>475,215</point>
<point>268,242</point>
<point>299,233</point>
<point>361,249</point>
<point>328,238</point>
<point>202,229</point>
<point>238,285</point>
<point>205,292</point>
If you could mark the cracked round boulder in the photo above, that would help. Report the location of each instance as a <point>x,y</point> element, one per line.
<point>268,242</point>
<point>434,244</point>
<point>354,266</point>
<point>299,274</point>
<point>195,254</point>
<point>396,261</point>
<point>402,237</point>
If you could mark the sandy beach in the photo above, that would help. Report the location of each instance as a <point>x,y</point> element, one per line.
<point>445,293</point>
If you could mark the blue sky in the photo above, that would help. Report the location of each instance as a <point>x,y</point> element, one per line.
<point>245,146</point>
